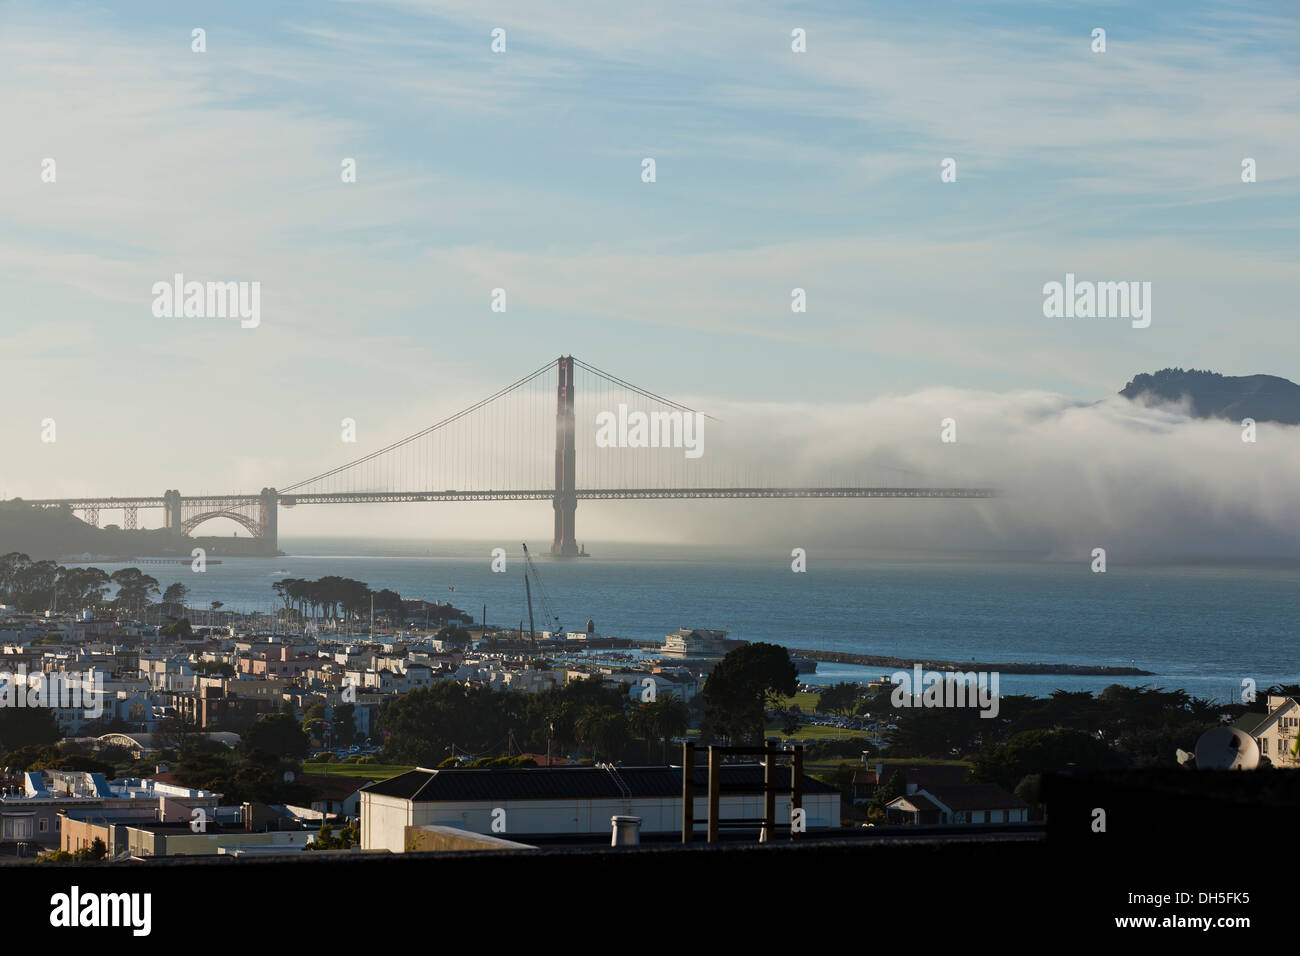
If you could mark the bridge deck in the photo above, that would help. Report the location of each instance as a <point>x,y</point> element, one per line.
<point>537,494</point>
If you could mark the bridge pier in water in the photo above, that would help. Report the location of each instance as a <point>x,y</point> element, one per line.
<point>565,501</point>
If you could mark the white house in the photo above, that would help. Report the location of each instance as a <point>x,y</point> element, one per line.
<point>1276,732</point>
<point>964,803</point>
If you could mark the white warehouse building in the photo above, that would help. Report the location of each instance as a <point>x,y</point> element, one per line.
<point>570,801</point>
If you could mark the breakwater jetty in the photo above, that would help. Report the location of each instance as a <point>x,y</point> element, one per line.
<point>906,663</point>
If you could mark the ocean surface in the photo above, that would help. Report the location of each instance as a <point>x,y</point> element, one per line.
<point>1200,628</point>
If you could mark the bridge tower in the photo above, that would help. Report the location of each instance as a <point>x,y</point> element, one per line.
<point>172,513</point>
<point>270,518</point>
<point>566,496</point>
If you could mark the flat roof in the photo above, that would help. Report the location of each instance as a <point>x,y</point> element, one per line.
<point>570,783</point>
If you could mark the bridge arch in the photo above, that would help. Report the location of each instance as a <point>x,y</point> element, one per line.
<point>252,524</point>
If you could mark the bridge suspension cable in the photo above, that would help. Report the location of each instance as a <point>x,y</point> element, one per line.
<point>564,432</point>
<point>401,443</point>
<point>506,446</point>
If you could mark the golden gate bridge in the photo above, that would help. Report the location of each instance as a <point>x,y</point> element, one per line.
<point>500,449</point>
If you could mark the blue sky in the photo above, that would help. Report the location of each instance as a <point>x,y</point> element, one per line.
<point>521,170</point>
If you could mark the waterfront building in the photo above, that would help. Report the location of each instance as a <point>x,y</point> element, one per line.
<point>695,643</point>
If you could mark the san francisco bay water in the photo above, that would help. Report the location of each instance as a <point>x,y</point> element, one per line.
<point>1203,629</point>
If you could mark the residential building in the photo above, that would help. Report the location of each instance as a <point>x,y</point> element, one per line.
<point>966,803</point>
<point>1275,732</point>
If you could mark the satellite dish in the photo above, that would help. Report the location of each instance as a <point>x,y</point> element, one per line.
<point>1226,748</point>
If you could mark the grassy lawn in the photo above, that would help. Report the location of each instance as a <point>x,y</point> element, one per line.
<point>807,702</point>
<point>827,764</point>
<point>816,732</point>
<point>366,771</point>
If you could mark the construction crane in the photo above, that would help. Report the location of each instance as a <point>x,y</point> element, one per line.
<point>530,571</point>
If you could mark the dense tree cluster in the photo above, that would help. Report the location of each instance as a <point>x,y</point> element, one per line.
<point>1140,726</point>
<point>263,768</point>
<point>843,698</point>
<point>336,597</point>
<point>27,727</point>
<point>428,726</point>
<point>42,585</point>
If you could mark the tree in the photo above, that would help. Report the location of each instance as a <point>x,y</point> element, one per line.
<point>314,710</point>
<point>666,717</point>
<point>133,587</point>
<point>743,685</point>
<point>27,727</point>
<point>314,727</point>
<point>214,668</point>
<point>345,724</point>
<point>842,698</point>
<point>283,590</point>
<point>424,726</point>
<point>326,840</point>
<point>177,628</point>
<point>887,792</point>
<point>389,604</point>
<point>31,585</point>
<point>81,587</point>
<point>552,714</point>
<point>9,568</point>
<point>31,757</point>
<point>454,635</point>
<point>936,731</point>
<point>176,594</point>
<point>276,735</point>
<point>1030,790</point>
<point>180,734</point>
<point>80,763</point>
<point>1041,751</point>
<point>842,778</point>
<point>604,732</point>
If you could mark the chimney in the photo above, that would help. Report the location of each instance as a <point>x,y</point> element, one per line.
<point>627,831</point>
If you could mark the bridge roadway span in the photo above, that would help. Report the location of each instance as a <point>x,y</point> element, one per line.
<point>259,513</point>
<point>360,497</point>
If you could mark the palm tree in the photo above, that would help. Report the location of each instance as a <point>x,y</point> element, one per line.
<point>604,731</point>
<point>664,718</point>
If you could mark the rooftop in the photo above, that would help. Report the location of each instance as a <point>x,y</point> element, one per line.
<point>569,783</point>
